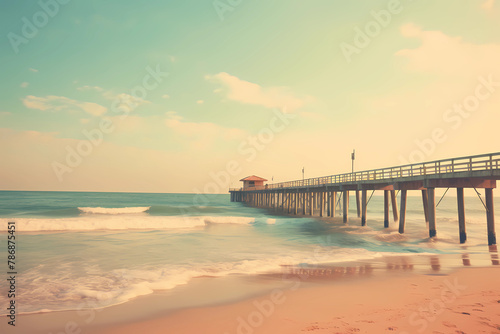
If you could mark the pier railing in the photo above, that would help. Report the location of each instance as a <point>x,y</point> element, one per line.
<point>482,162</point>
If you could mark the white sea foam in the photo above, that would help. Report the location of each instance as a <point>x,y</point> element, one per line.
<point>114,211</point>
<point>228,220</point>
<point>99,289</point>
<point>123,222</point>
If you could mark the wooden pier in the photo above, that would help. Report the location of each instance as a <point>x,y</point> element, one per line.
<point>323,196</point>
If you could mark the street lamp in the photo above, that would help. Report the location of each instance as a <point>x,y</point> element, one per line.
<point>353,156</point>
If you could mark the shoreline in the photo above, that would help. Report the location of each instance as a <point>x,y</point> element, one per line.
<point>218,295</point>
<point>465,301</point>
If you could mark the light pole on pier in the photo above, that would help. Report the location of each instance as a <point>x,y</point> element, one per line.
<point>353,156</point>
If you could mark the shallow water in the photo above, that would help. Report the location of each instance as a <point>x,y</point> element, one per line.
<point>79,250</point>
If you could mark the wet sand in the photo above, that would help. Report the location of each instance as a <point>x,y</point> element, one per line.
<point>401,294</point>
<point>465,301</point>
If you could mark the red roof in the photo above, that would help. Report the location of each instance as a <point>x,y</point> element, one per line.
<point>253,178</point>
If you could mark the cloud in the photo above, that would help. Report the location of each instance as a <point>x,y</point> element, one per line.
<point>125,102</point>
<point>110,95</point>
<point>24,84</point>
<point>173,115</point>
<point>443,54</point>
<point>122,102</point>
<point>165,96</point>
<point>312,115</point>
<point>250,93</point>
<point>410,30</point>
<point>57,103</point>
<point>488,4</point>
<point>33,70</point>
<point>92,108</point>
<point>85,88</point>
<point>200,101</point>
<point>201,133</point>
<point>40,103</point>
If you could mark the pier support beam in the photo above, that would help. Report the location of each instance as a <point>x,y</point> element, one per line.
<point>311,203</point>
<point>363,207</point>
<point>358,204</point>
<point>315,203</point>
<point>425,200</point>
<point>327,200</point>
<point>346,206</point>
<point>296,202</point>
<point>461,215</point>
<point>402,211</point>
<point>431,203</point>
<point>334,204</point>
<point>283,201</point>
<point>490,216</point>
<point>304,203</point>
<point>288,202</point>
<point>321,203</point>
<point>394,201</point>
<point>386,208</point>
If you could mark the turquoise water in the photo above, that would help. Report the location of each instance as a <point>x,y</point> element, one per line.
<point>79,250</point>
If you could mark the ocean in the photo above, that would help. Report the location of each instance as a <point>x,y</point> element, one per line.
<point>102,249</point>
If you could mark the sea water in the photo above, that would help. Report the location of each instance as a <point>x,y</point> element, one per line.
<point>84,249</point>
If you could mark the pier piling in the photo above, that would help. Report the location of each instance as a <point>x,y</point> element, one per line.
<point>402,211</point>
<point>358,204</point>
<point>386,208</point>
<point>363,207</point>
<point>431,211</point>
<point>321,203</point>
<point>394,201</point>
<point>490,217</point>
<point>425,200</point>
<point>346,206</point>
<point>461,215</point>
<point>334,204</point>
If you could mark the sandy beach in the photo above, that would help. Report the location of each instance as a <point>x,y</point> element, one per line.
<point>409,294</point>
<point>465,301</point>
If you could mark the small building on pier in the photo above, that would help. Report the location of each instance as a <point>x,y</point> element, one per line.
<point>253,182</point>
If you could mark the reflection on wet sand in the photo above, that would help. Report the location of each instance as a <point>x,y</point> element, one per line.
<point>327,272</point>
<point>401,264</point>
<point>494,255</point>
<point>466,259</point>
<point>435,265</point>
<point>392,264</point>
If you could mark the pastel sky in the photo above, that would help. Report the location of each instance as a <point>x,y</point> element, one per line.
<point>192,95</point>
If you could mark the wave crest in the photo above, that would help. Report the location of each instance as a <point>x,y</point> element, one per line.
<point>125,222</point>
<point>114,211</point>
